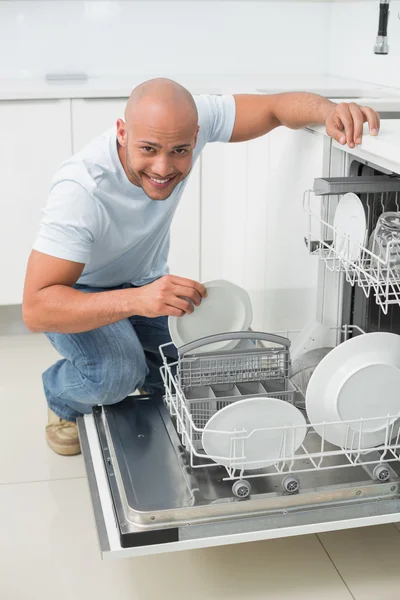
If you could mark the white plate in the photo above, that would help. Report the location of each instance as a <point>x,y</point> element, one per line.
<point>226,308</point>
<point>360,378</point>
<point>313,335</point>
<point>350,220</point>
<point>234,433</point>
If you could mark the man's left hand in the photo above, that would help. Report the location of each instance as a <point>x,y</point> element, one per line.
<point>345,122</point>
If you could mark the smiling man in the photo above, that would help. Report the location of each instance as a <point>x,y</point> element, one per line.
<point>97,280</point>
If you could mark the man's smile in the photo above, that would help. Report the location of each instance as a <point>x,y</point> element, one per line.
<point>160,184</point>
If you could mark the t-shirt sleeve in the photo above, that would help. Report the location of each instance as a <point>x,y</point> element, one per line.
<point>216,117</point>
<point>69,223</point>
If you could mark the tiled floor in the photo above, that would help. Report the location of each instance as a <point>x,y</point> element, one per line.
<point>48,542</point>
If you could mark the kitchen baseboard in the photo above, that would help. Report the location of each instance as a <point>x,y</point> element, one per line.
<point>11,322</point>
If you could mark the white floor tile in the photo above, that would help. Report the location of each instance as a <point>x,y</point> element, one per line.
<point>368,560</point>
<point>25,454</point>
<point>49,548</point>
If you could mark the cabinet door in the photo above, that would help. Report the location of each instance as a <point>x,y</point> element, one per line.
<point>233,217</point>
<point>184,254</point>
<point>253,223</point>
<point>90,117</point>
<point>35,139</point>
<point>295,159</point>
<point>223,209</point>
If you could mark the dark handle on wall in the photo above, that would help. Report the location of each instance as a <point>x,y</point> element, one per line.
<point>383,18</point>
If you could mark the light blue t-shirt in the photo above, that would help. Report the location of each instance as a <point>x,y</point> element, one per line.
<point>96,216</point>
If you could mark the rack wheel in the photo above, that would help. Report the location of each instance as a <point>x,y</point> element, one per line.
<point>241,488</point>
<point>381,472</point>
<point>291,484</point>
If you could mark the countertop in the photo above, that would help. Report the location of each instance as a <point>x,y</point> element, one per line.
<point>381,98</point>
<point>120,87</point>
<point>385,145</point>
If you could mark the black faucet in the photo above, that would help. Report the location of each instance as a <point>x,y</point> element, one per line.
<point>381,44</point>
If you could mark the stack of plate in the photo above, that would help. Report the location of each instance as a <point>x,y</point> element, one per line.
<point>359,379</point>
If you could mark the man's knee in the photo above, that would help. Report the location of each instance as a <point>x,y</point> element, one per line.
<point>107,363</point>
<point>119,377</point>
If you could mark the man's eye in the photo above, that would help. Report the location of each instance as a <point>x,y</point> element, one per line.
<point>147,148</point>
<point>181,151</point>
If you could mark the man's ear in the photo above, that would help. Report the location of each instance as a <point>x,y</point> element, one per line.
<point>121,132</point>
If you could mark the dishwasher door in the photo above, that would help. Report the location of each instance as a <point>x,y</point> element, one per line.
<point>148,500</point>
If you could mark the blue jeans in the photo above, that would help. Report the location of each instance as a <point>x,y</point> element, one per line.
<point>104,365</point>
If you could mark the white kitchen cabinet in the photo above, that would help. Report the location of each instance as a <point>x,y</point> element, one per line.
<point>234,178</point>
<point>184,253</point>
<point>253,223</point>
<point>35,139</point>
<point>295,160</point>
<point>92,116</point>
<point>223,211</point>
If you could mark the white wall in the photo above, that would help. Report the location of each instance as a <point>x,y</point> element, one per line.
<point>170,37</point>
<point>162,37</point>
<point>353,31</point>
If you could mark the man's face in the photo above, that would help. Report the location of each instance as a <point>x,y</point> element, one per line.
<point>157,155</point>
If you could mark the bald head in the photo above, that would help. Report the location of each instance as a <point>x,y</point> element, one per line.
<point>161,98</point>
<point>158,137</point>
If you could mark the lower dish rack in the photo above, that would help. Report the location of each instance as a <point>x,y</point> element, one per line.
<point>200,384</point>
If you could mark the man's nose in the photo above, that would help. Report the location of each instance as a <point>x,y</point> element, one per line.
<point>162,166</point>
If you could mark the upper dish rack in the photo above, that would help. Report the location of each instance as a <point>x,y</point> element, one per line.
<point>368,270</point>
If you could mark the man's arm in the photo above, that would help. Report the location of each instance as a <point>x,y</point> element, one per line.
<point>51,303</point>
<point>257,114</point>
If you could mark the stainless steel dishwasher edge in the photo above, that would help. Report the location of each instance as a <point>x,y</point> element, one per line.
<point>149,498</point>
<point>276,522</point>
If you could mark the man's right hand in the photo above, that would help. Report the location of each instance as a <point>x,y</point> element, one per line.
<point>168,296</point>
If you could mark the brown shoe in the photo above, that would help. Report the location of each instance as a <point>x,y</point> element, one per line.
<point>62,436</point>
<point>142,392</point>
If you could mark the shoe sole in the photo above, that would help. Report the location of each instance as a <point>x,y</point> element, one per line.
<point>63,450</point>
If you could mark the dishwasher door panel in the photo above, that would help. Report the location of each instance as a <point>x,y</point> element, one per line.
<point>226,521</point>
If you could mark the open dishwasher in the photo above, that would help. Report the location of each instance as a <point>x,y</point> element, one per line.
<point>153,487</point>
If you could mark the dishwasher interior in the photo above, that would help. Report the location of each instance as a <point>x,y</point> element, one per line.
<point>165,489</point>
